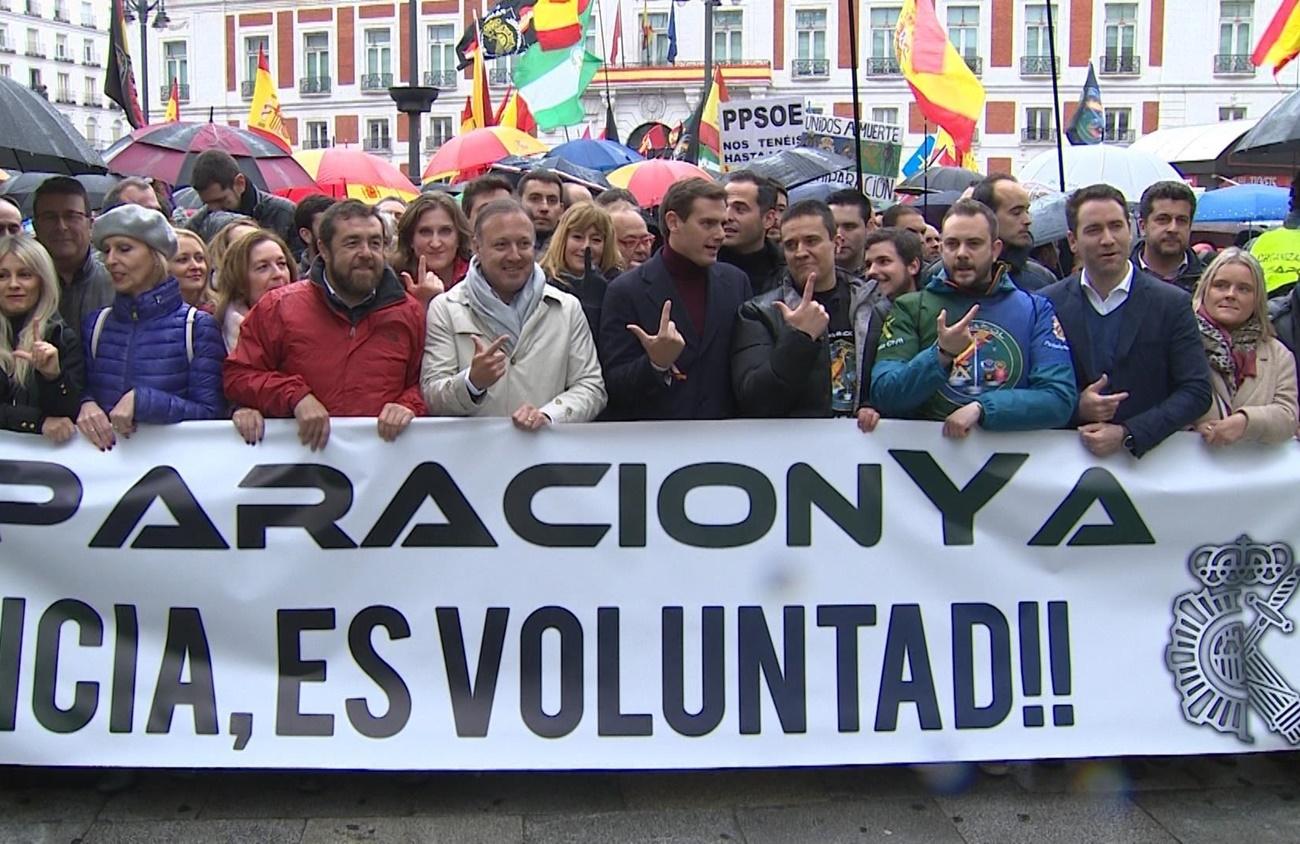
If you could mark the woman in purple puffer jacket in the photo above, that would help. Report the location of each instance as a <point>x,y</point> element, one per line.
<point>150,358</point>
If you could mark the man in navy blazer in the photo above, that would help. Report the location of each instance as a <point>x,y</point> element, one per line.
<point>1136,348</point>
<point>665,329</point>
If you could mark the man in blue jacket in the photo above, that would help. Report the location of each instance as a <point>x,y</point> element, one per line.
<point>970,348</point>
<point>1134,339</point>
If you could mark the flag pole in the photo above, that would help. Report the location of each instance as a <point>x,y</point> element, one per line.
<point>925,169</point>
<point>1056,96</point>
<point>857,100</point>
<point>693,145</point>
<point>604,53</point>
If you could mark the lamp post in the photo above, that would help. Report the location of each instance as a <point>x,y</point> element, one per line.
<point>140,10</point>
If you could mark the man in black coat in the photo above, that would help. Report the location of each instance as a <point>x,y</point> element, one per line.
<point>751,211</point>
<point>1010,202</point>
<point>1134,340</point>
<point>665,330</point>
<point>223,187</point>
<point>1165,215</point>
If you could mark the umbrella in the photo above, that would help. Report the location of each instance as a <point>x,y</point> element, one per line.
<point>1047,218</point>
<point>36,138</point>
<point>939,178</point>
<point>799,165</point>
<point>566,170</point>
<point>1130,170</point>
<point>934,205</point>
<point>1275,139</point>
<point>599,155</point>
<point>649,180</point>
<point>1239,204</point>
<point>464,156</point>
<point>22,188</point>
<point>345,173</point>
<point>167,151</point>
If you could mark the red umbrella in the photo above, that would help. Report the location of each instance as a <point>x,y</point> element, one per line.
<point>469,154</point>
<point>649,180</point>
<point>167,151</point>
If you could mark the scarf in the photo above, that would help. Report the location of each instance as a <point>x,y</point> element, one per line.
<point>1231,353</point>
<point>500,317</point>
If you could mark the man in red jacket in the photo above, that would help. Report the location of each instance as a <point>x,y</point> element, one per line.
<point>348,341</point>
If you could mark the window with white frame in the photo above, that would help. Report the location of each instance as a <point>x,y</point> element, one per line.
<point>34,43</point>
<point>4,37</point>
<point>117,129</point>
<point>316,134</point>
<point>316,55</point>
<point>92,131</point>
<point>440,131</point>
<point>64,87</point>
<point>1036,31</point>
<point>659,38</point>
<point>1121,29</point>
<point>728,38</point>
<point>1232,113</point>
<point>1038,124</point>
<point>6,71</point>
<point>255,45</point>
<point>884,22</point>
<point>964,30</point>
<point>1235,17</point>
<point>88,56</point>
<point>379,53</point>
<point>61,48</point>
<point>885,115</point>
<point>1119,125</point>
<point>90,90</point>
<point>442,53</point>
<point>377,135</point>
<point>87,14</point>
<point>810,34</point>
<point>176,62</point>
<point>590,43</point>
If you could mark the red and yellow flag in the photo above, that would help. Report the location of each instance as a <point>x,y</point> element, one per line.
<point>173,112</point>
<point>1280,42</point>
<point>945,89</point>
<point>710,134</point>
<point>514,112</point>
<point>480,114</point>
<point>264,116</point>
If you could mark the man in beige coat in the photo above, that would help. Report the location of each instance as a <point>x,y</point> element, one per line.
<point>504,342</point>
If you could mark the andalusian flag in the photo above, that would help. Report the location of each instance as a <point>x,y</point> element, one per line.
<point>945,89</point>
<point>1280,42</point>
<point>264,116</point>
<point>173,112</point>
<point>552,81</point>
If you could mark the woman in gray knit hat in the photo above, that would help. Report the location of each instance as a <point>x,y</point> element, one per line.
<point>150,357</point>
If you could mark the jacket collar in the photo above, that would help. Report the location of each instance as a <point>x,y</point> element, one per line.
<point>387,292</point>
<point>154,302</point>
<point>1002,284</point>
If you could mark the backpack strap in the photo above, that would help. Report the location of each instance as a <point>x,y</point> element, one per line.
<point>189,333</point>
<point>98,329</point>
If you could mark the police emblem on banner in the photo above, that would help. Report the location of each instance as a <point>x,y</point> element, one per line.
<point>1216,644</point>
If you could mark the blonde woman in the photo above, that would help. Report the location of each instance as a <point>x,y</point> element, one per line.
<point>189,266</point>
<point>41,370</point>
<point>1252,374</point>
<point>220,242</point>
<point>582,257</point>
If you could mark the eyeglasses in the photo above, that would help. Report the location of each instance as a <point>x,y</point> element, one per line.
<point>631,242</point>
<point>68,218</point>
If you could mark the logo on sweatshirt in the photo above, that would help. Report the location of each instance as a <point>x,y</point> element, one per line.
<point>994,361</point>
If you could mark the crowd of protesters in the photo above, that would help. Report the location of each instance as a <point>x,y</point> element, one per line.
<point>538,302</point>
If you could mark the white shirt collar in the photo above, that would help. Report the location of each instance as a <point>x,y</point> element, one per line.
<point>1116,296</point>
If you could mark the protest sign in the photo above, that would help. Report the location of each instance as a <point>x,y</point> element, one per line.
<point>880,151</point>
<point>754,128</point>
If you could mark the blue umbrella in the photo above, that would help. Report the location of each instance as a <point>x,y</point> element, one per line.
<point>1243,204</point>
<point>596,154</point>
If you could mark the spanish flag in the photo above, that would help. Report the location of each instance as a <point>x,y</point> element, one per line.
<point>264,116</point>
<point>514,113</point>
<point>1280,42</point>
<point>173,112</point>
<point>945,89</point>
<point>710,136</point>
<point>480,114</point>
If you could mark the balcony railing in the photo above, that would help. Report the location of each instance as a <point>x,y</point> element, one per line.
<point>246,88</point>
<point>62,17</point>
<point>31,11</point>
<point>182,91</point>
<point>88,25</point>
<point>1037,65</point>
<point>65,97</point>
<point>1119,136</point>
<point>975,63</point>
<point>376,82</point>
<point>440,78</point>
<point>7,48</point>
<point>377,144</point>
<point>1235,64</point>
<point>498,75</point>
<point>811,67</point>
<point>1037,135</point>
<point>64,58</point>
<point>92,101</point>
<point>35,52</point>
<point>883,66</point>
<point>433,142</point>
<point>314,85</point>
<point>315,143</point>
<point>1121,65</point>
<point>91,62</point>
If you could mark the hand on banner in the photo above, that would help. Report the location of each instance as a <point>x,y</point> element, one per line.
<point>58,429</point>
<point>93,424</point>
<point>962,420</point>
<point>123,415</point>
<point>313,422</point>
<point>44,358</point>
<point>868,419</point>
<point>250,424</point>
<point>1102,438</point>
<point>529,418</point>
<point>665,346</point>
<point>1225,431</point>
<point>956,338</point>
<point>393,419</point>
<point>428,287</point>
<point>810,317</point>
<point>489,362</point>
<point>1095,406</point>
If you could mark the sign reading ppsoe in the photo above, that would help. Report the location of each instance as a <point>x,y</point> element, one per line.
<point>627,596</point>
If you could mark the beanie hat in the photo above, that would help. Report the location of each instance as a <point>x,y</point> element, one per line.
<point>139,223</point>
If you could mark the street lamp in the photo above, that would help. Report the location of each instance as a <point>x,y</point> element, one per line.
<point>141,9</point>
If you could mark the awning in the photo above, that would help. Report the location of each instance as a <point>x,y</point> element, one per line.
<point>1187,144</point>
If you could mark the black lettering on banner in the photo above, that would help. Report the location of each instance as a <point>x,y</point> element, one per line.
<point>385,676</point>
<point>471,706</point>
<point>566,718</point>
<point>631,505</point>
<point>13,611</point>
<point>906,651</point>
<point>463,528</point>
<point>958,506</point>
<point>318,520</point>
<point>193,528</point>
<point>126,653</point>
<point>186,641</point>
<point>1096,484</point>
<point>62,482</point>
<point>965,618</point>
<point>45,680</point>
<point>523,487</point>
<point>713,666</point>
<point>756,656</point>
<point>846,619</point>
<point>755,485</point>
<point>294,671</point>
<point>805,488</point>
<point>610,719</point>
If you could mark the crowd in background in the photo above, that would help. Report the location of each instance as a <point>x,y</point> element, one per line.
<point>536,301</point>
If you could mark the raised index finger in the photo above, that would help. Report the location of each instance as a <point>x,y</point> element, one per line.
<point>965,321</point>
<point>665,315</point>
<point>808,287</point>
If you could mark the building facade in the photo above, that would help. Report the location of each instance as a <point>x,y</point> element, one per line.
<point>1159,63</point>
<point>59,48</point>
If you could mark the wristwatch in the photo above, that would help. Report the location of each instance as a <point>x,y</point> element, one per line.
<point>1128,440</point>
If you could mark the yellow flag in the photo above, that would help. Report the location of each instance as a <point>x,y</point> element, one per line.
<point>173,112</point>
<point>264,116</point>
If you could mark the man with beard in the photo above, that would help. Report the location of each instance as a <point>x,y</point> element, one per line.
<point>751,209</point>
<point>1010,202</point>
<point>854,220</point>
<point>1165,221</point>
<point>346,342</point>
<point>1008,370</point>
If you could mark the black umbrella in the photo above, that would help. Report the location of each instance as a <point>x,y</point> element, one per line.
<point>22,187</point>
<point>1275,140</point>
<point>938,179</point>
<point>36,138</point>
<point>799,165</point>
<point>566,170</point>
<point>934,205</point>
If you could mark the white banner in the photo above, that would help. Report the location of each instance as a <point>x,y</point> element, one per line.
<point>751,129</point>
<point>640,596</point>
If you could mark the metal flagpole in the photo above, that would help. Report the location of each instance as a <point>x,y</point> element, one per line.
<point>604,54</point>
<point>857,100</point>
<point>1056,97</point>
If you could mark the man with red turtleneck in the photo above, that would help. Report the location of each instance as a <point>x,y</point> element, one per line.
<point>665,329</point>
